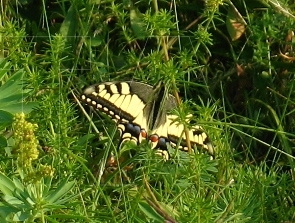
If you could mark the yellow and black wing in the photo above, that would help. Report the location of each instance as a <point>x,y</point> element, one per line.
<point>142,112</point>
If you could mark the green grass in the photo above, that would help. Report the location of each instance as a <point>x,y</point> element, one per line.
<point>231,63</point>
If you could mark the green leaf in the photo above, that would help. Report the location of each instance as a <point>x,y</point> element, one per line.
<point>14,201</point>
<point>69,25</point>
<point>4,67</point>
<point>3,141</point>
<point>18,184</point>
<point>22,216</point>
<point>13,190</point>
<point>47,184</point>
<point>15,97</point>
<point>63,188</point>
<point>85,139</point>
<point>14,85</point>
<point>212,169</point>
<point>6,210</point>
<point>6,119</point>
<point>12,93</point>
<point>94,41</point>
<point>137,24</point>
<point>6,185</point>
<point>18,107</point>
<point>150,212</point>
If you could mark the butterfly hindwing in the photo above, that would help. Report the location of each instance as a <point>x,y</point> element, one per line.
<point>197,136</point>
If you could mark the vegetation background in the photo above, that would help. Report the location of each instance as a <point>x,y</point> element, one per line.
<point>231,62</point>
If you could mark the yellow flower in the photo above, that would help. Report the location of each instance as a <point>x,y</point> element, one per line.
<point>25,140</point>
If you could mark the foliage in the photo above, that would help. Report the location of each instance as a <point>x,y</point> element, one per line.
<point>12,97</point>
<point>27,202</point>
<point>231,63</point>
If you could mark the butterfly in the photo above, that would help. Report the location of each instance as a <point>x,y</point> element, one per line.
<point>142,112</point>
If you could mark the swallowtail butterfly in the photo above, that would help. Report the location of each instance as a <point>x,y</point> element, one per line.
<point>142,112</point>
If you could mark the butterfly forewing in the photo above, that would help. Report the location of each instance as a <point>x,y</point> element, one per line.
<point>124,102</point>
<point>116,99</point>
